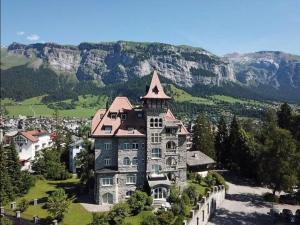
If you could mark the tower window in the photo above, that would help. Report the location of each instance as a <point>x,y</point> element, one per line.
<point>156,153</point>
<point>123,116</point>
<point>155,138</point>
<point>131,179</point>
<point>126,161</point>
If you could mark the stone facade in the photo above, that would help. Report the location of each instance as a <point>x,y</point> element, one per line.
<point>141,146</point>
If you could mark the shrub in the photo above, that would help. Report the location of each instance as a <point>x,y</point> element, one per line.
<point>190,175</point>
<point>5,221</point>
<point>185,198</point>
<point>117,214</point>
<point>269,197</point>
<point>174,194</point>
<point>138,201</point>
<point>149,201</point>
<point>23,205</point>
<point>99,219</point>
<point>165,217</point>
<point>218,178</point>
<point>198,178</point>
<point>192,193</point>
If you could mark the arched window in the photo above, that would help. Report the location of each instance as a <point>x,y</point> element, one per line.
<point>171,161</point>
<point>160,123</point>
<point>129,193</point>
<point>107,198</point>
<point>151,122</point>
<point>156,122</point>
<point>135,161</point>
<point>156,153</point>
<point>171,146</point>
<point>159,193</point>
<point>126,161</point>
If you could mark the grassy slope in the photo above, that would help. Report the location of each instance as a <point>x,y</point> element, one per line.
<point>11,60</point>
<point>85,107</point>
<point>76,214</point>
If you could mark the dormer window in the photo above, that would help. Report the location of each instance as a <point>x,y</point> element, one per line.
<point>140,115</point>
<point>130,130</point>
<point>155,90</point>
<point>113,116</point>
<point>123,116</point>
<point>107,129</point>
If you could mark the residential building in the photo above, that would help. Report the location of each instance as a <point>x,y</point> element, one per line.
<point>138,146</point>
<point>75,147</point>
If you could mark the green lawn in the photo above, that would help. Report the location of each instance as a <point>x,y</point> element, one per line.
<point>137,220</point>
<point>76,214</point>
<point>233,100</point>
<point>85,107</point>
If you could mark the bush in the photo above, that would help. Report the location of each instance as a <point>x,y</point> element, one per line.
<point>138,201</point>
<point>165,217</point>
<point>198,178</point>
<point>150,220</point>
<point>174,194</point>
<point>99,219</point>
<point>190,175</point>
<point>117,214</point>
<point>218,178</point>
<point>23,205</point>
<point>5,221</point>
<point>192,193</point>
<point>269,197</point>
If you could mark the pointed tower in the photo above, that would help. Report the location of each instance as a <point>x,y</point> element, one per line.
<point>166,143</point>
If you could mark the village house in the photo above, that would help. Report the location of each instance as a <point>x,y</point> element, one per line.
<point>76,147</point>
<point>138,146</point>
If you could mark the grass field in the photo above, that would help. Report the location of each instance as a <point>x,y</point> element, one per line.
<point>76,214</point>
<point>233,100</point>
<point>11,60</point>
<point>85,107</point>
<point>137,220</point>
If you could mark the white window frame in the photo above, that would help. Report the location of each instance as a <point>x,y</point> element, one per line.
<point>125,162</point>
<point>156,169</point>
<point>131,179</point>
<point>155,138</point>
<point>107,146</point>
<point>107,181</point>
<point>126,146</point>
<point>156,153</point>
<point>108,129</point>
<point>135,146</point>
<point>107,161</point>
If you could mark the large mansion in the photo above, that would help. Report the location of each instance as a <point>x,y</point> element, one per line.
<point>138,146</point>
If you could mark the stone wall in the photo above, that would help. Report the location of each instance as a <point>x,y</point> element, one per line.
<point>206,207</point>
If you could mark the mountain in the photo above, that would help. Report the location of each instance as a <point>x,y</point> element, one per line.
<point>262,75</point>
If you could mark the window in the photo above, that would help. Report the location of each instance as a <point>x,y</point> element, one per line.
<point>135,161</point>
<point>171,131</point>
<point>129,193</point>
<point>20,140</point>
<point>107,198</point>
<point>156,122</point>
<point>156,153</point>
<point>113,116</point>
<point>140,115</point>
<point>126,146</point>
<point>160,123</point>
<point>131,179</point>
<point>171,161</point>
<point>159,193</point>
<point>135,146</point>
<point>151,122</point>
<point>107,181</point>
<point>107,146</point>
<point>107,161</point>
<point>171,146</point>
<point>156,169</point>
<point>126,161</point>
<point>155,138</point>
<point>108,129</point>
<point>130,130</point>
<point>123,116</point>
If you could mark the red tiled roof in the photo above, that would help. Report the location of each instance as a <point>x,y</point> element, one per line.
<point>118,127</point>
<point>156,90</point>
<point>32,135</point>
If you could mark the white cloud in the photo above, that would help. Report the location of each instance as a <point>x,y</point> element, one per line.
<point>33,37</point>
<point>20,33</point>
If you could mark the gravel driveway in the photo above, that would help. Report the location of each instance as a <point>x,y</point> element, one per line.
<point>244,205</point>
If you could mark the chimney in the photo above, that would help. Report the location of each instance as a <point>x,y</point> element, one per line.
<point>196,155</point>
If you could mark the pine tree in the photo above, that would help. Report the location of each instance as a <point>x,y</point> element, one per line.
<point>285,116</point>
<point>234,144</point>
<point>203,139</point>
<point>6,190</point>
<point>14,168</point>
<point>221,142</point>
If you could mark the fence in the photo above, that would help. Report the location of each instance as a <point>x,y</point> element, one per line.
<point>206,207</point>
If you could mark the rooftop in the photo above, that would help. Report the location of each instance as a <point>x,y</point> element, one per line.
<point>197,158</point>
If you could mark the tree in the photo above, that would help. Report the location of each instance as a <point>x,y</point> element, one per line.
<point>174,194</point>
<point>137,202</point>
<point>221,142</point>
<point>5,221</point>
<point>193,194</point>
<point>6,190</point>
<point>165,217</point>
<point>14,168</point>
<point>117,214</point>
<point>203,139</point>
<point>279,160</point>
<point>86,161</point>
<point>284,116</point>
<point>234,144</point>
<point>99,219</point>
<point>58,204</point>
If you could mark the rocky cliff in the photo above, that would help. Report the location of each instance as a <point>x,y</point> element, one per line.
<point>115,62</point>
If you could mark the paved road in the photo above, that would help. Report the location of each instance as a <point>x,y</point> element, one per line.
<point>243,205</point>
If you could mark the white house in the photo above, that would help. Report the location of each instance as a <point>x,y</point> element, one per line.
<point>76,147</point>
<point>28,143</point>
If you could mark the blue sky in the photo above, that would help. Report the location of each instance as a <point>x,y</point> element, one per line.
<point>220,26</point>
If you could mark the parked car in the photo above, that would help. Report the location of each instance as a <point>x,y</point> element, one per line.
<point>287,215</point>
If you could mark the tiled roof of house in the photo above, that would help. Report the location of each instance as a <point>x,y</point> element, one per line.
<point>33,135</point>
<point>131,126</point>
<point>197,158</point>
<point>169,117</point>
<point>156,90</point>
